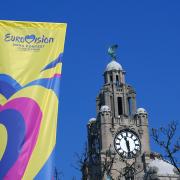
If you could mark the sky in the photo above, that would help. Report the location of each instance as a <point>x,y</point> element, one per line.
<point>148,35</point>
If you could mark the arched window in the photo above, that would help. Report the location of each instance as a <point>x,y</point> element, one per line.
<point>117,81</point>
<point>130,105</point>
<point>111,78</point>
<point>120,108</point>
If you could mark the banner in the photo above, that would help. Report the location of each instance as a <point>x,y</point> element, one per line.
<point>30,72</point>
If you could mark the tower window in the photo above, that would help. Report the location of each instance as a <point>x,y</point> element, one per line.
<point>130,105</point>
<point>111,78</point>
<point>117,80</point>
<point>112,107</point>
<point>120,110</point>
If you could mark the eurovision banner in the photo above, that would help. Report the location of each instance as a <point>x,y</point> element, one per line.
<point>30,72</point>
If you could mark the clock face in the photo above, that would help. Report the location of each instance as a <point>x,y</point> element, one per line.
<point>127,144</point>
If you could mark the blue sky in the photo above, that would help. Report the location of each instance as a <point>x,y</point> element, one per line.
<point>148,33</point>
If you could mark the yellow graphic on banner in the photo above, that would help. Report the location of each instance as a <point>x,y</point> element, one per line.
<point>3,144</point>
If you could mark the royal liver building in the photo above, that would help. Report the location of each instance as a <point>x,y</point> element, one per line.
<point>118,138</point>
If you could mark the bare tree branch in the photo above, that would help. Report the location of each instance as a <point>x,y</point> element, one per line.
<point>164,137</point>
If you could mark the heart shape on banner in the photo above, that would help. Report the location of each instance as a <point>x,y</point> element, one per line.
<point>19,123</point>
<point>30,38</point>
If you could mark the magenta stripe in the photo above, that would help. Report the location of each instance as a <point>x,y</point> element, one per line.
<point>32,116</point>
<point>55,75</point>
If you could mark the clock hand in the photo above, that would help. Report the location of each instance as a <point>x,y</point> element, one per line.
<point>127,144</point>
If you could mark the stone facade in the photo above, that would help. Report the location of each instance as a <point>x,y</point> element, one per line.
<point>116,111</point>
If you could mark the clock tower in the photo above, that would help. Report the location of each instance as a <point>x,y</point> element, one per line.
<point>118,137</point>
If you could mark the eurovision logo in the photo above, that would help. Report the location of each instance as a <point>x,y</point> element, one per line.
<point>28,39</point>
<point>30,42</point>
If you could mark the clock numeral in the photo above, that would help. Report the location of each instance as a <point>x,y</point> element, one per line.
<point>136,141</point>
<point>134,138</point>
<point>124,134</point>
<point>119,149</point>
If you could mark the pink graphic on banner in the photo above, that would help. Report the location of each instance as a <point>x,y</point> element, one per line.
<point>32,116</point>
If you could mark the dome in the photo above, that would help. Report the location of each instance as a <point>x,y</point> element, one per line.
<point>163,167</point>
<point>141,111</point>
<point>92,120</point>
<point>105,108</point>
<point>113,65</point>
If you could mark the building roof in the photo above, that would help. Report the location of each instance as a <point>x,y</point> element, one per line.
<point>141,111</point>
<point>113,65</point>
<point>92,120</point>
<point>164,167</point>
